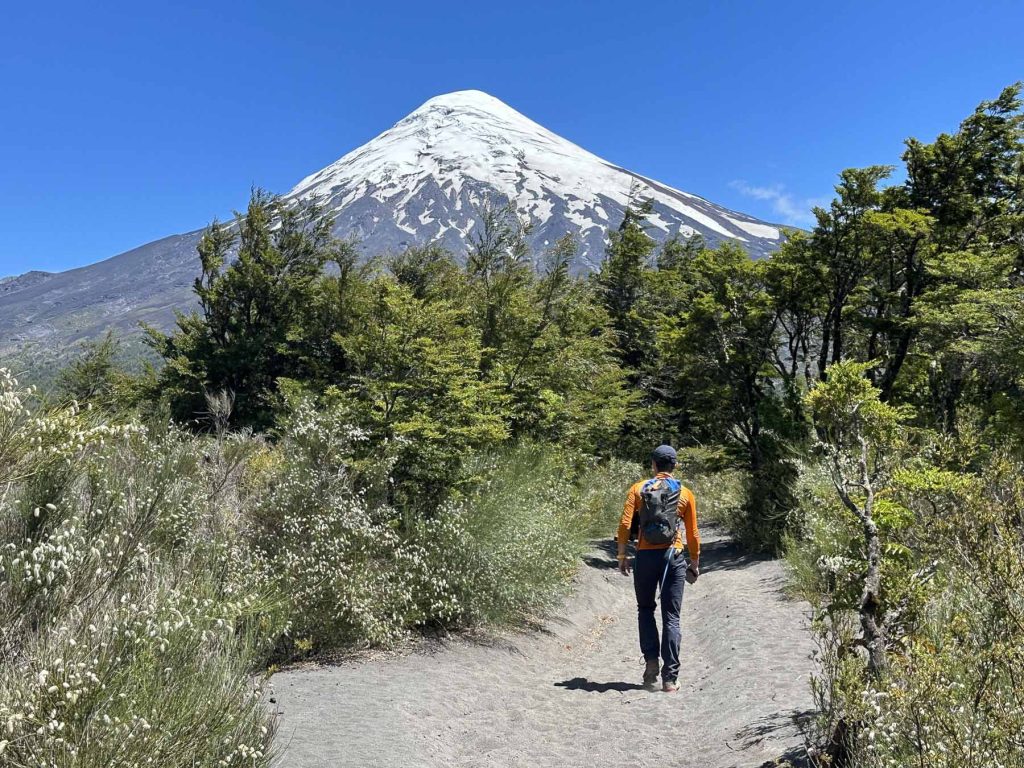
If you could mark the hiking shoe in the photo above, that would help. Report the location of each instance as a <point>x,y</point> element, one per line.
<point>651,675</point>
<point>670,686</point>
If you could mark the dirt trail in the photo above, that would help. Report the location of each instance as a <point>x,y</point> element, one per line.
<point>569,695</point>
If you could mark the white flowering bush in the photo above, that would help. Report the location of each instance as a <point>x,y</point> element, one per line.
<point>147,574</point>
<point>125,639</point>
<point>357,571</point>
<point>343,562</point>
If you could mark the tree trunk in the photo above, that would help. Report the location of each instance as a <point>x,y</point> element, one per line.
<point>870,600</point>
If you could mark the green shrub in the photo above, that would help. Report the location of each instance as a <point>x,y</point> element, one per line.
<point>953,566</point>
<point>720,497</point>
<point>514,543</point>
<point>360,572</point>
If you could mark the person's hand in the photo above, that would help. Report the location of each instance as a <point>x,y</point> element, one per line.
<point>624,566</point>
<point>692,572</point>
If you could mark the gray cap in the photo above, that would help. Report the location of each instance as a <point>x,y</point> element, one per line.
<point>664,453</point>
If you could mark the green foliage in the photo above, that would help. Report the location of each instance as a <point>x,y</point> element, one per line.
<point>621,279</point>
<point>530,515</point>
<point>433,361</point>
<point>415,383</point>
<point>361,572</point>
<point>91,378</point>
<point>498,272</point>
<point>558,366</point>
<point>849,412</point>
<point>953,566</point>
<point>246,333</point>
<point>98,378</point>
<point>723,345</point>
<point>907,302</point>
<point>939,602</point>
<point>429,272</point>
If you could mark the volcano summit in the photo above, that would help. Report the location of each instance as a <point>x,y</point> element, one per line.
<point>420,181</point>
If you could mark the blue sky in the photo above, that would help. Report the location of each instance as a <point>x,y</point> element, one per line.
<point>125,122</point>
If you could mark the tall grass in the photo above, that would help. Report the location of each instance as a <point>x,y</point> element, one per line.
<point>515,541</point>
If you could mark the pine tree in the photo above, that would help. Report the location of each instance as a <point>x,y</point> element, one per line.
<point>621,281</point>
<point>244,336</point>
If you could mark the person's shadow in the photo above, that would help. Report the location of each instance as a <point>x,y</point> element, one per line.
<point>582,684</point>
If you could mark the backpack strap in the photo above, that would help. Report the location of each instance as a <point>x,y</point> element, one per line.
<point>677,487</point>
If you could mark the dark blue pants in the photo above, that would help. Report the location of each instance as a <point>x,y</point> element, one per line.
<point>648,570</point>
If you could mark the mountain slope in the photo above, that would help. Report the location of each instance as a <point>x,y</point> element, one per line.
<point>421,181</point>
<point>53,310</point>
<point>423,178</point>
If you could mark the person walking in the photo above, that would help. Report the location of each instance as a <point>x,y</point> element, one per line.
<point>654,509</point>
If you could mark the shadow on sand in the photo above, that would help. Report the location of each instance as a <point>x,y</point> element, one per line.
<point>726,555</point>
<point>604,554</point>
<point>718,555</point>
<point>582,684</point>
<point>795,721</point>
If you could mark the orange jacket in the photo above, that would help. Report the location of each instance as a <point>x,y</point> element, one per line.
<point>687,512</point>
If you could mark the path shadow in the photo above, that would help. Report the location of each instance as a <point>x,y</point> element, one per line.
<point>582,684</point>
<point>792,758</point>
<point>605,554</point>
<point>718,555</point>
<point>794,720</point>
<point>726,555</point>
<point>756,731</point>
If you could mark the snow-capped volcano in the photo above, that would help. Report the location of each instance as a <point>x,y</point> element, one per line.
<point>424,179</point>
<point>421,181</point>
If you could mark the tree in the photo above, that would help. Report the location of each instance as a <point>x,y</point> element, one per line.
<point>792,279</point>
<point>859,433</point>
<point>621,281</point>
<point>559,366</point>
<point>94,378</point>
<point>249,325</point>
<point>839,248</point>
<point>971,181</point>
<point>416,387</point>
<point>722,349</point>
<point>497,271</point>
<point>429,271</point>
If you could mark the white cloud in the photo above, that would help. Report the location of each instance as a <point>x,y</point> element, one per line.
<point>789,209</point>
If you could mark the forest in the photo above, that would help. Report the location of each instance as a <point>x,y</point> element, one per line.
<point>338,453</point>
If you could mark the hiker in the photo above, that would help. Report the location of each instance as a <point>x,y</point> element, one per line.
<point>654,509</point>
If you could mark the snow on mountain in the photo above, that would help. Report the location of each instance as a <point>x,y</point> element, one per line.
<point>424,179</point>
<point>421,181</point>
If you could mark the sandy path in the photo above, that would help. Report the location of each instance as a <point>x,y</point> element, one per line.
<point>569,695</point>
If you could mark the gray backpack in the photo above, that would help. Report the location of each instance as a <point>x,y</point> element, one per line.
<point>659,510</point>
